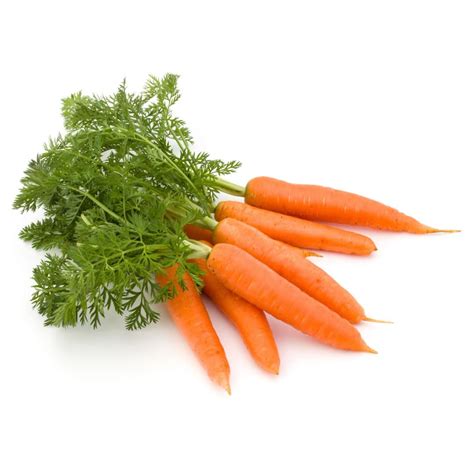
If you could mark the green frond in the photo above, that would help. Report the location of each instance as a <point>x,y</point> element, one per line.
<point>116,191</point>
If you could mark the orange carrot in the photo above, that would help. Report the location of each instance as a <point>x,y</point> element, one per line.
<point>250,321</point>
<point>191,318</point>
<point>304,274</point>
<point>196,232</point>
<point>260,285</point>
<point>297,232</point>
<point>303,252</point>
<point>320,203</point>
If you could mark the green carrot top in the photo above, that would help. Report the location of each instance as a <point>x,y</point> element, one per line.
<point>115,191</point>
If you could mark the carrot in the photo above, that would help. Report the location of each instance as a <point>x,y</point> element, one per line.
<point>191,317</point>
<point>300,251</point>
<point>303,252</point>
<point>196,232</point>
<point>260,285</point>
<point>304,274</point>
<point>297,232</point>
<point>320,203</point>
<point>199,233</point>
<point>250,321</point>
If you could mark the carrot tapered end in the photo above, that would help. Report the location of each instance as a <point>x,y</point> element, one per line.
<point>372,320</point>
<point>432,230</point>
<point>223,381</point>
<point>310,253</point>
<point>366,348</point>
<point>273,368</point>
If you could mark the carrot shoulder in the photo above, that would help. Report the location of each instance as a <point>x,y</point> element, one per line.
<point>295,231</point>
<point>320,203</point>
<point>260,285</point>
<point>196,232</point>
<point>192,319</point>
<point>249,320</point>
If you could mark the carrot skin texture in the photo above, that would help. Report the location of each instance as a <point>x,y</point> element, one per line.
<point>196,232</point>
<point>301,272</point>
<point>296,231</point>
<point>260,285</point>
<point>303,252</point>
<point>320,203</point>
<point>249,320</point>
<point>192,319</point>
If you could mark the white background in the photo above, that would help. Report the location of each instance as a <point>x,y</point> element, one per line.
<point>369,96</point>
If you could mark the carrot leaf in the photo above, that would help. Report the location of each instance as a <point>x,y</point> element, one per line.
<point>115,189</point>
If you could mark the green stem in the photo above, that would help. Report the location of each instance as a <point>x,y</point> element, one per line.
<point>167,158</point>
<point>230,188</point>
<point>149,247</point>
<point>207,222</point>
<point>96,201</point>
<point>198,250</point>
<point>181,143</point>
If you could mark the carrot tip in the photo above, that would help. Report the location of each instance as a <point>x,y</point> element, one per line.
<point>223,381</point>
<point>366,348</point>
<point>432,230</point>
<point>372,320</point>
<point>273,369</point>
<point>226,386</point>
<point>310,253</point>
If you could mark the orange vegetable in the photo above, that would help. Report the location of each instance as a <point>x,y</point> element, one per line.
<point>320,203</point>
<point>301,272</point>
<point>250,321</point>
<point>260,285</point>
<point>196,232</point>
<point>191,318</point>
<point>297,232</point>
<point>303,252</point>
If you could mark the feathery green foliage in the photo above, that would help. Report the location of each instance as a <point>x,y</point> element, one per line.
<point>116,190</point>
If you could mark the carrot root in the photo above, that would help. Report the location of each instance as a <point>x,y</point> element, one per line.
<point>192,319</point>
<point>370,350</point>
<point>320,203</point>
<point>253,281</point>
<point>198,233</point>
<point>310,253</point>
<point>304,274</point>
<point>249,320</point>
<point>432,230</point>
<point>296,231</point>
<point>372,320</point>
<point>224,382</point>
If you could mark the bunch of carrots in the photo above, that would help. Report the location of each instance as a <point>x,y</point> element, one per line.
<point>129,210</point>
<point>258,264</point>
